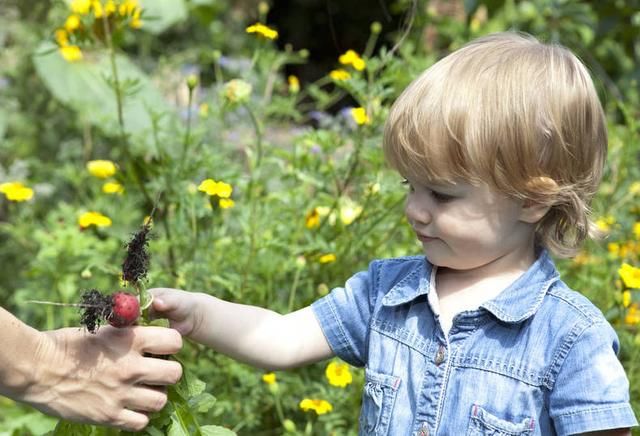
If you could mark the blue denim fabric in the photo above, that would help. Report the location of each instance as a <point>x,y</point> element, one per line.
<point>539,359</point>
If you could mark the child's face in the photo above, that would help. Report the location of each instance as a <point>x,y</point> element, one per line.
<point>464,226</point>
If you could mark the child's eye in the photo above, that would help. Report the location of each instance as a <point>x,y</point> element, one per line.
<point>442,198</point>
<point>438,196</point>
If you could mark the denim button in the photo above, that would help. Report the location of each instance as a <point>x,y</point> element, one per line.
<point>440,355</point>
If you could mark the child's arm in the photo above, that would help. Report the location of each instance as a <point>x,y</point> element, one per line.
<point>250,334</point>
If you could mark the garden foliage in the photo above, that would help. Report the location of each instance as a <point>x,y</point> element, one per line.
<point>266,190</point>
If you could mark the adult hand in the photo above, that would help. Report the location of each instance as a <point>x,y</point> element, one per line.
<point>104,378</point>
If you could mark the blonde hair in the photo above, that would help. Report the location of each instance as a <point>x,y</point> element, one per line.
<point>507,110</point>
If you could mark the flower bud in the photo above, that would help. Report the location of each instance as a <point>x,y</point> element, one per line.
<point>274,388</point>
<point>192,81</point>
<point>289,426</point>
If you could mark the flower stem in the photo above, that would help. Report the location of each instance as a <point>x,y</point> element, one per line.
<point>119,104</point>
<point>187,134</point>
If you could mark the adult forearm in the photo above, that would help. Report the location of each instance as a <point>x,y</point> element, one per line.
<point>19,344</point>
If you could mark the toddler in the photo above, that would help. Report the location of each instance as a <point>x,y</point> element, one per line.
<point>502,145</point>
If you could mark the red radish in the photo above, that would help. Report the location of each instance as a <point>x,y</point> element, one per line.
<point>125,309</point>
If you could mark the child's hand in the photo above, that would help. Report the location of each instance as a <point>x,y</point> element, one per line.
<point>179,307</point>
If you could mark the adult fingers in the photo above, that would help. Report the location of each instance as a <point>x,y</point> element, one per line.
<point>130,420</point>
<point>158,372</point>
<point>157,340</point>
<point>146,399</point>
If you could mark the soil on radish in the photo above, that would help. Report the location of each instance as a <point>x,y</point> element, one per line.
<point>136,263</point>
<point>95,307</point>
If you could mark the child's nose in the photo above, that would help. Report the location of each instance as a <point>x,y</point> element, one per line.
<point>417,211</point>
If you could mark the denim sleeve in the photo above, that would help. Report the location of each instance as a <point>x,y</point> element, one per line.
<point>591,390</point>
<point>344,316</point>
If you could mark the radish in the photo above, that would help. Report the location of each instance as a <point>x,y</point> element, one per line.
<point>125,309</point>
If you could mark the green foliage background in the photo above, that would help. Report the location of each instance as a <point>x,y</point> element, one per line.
<point>284,154</point>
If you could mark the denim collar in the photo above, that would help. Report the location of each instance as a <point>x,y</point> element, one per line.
<point>513,305</point>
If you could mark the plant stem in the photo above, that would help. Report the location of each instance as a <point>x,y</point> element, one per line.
<point>258,130</point>
<point>294,288</point>
<point>279,410</point>
<point>353,164</point>
<point>119,104</point>
<point>187,134</point>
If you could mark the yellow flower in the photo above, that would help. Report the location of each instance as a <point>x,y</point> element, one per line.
<point>327,258</point>
<point>62,37</point>
<point>636,230</point>
<point>98,10</point>
<point>16,191</point>
<point>582,258</point>
<point>72,23</point>
<point>626,298</point>
<point>634,188</point>
<point>319,406</point>
<point>269,378</point>
<point>237,91</point>
<point>110,7</point>
<point>349,212</point>
<point>101,168</point>
<point>312,220</point>
<point>613,248</point>
<point>338,374</point>
<point>630,276</point>
<point>339,75</point>
<point>80,6</point>
<point>633,315</point>
<point>71,53</point>
<point>605,223</point>
<point>93,219</point>
<point>294,84</point>
<point>112,188</point>
<point>360,116</point>
<point>136,22</point>
<point>263,30</point>
<point>211,187</point>
<point>224,190</point>
<point>350,57</point>
<point>226,203</point>
<point>208,186</point>
<point>373,188</point>
<point>128,7</point>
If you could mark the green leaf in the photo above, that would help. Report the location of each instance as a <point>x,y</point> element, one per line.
<point>190,385</point>
<point>215,430</point>
<point>84,86</point>
<point>159,15</point>
<point>65,428</point>
<point>202,403</point>
<point>176,428</point>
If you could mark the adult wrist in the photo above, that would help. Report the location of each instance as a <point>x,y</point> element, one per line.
<point>20,371</point>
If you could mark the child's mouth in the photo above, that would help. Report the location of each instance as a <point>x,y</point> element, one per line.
<point>424,238</point>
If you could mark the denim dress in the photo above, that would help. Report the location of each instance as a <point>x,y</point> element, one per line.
<point>539,359</point>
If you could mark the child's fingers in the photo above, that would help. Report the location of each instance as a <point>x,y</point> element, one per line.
<point>163,300</point>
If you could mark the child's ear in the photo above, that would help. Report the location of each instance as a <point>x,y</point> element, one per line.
<point>533,212</point>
